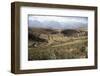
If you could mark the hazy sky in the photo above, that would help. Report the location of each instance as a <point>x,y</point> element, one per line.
<point>57,21</point>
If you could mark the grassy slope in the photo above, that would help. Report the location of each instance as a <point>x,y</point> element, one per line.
<point>74,48</point>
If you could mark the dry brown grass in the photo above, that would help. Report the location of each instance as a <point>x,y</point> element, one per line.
<point>70,50</point>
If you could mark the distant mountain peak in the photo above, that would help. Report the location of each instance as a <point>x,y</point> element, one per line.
<point>57,24</point>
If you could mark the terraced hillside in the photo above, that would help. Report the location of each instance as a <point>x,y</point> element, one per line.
<point>45,44</point>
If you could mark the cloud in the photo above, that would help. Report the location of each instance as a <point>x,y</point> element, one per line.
<point>57,22</point>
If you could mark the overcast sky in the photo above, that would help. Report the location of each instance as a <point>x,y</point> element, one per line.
<point>57,21</point>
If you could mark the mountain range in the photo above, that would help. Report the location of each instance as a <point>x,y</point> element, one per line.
<point>57,25</point>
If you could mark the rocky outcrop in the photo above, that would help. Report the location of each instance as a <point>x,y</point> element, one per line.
<point>46,36</point>
<point>74,33</point>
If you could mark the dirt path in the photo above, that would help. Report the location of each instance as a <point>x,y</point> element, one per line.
<point>68,43</point>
